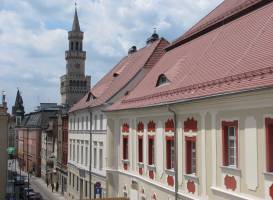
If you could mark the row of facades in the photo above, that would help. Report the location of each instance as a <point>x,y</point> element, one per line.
<point>191,119</point>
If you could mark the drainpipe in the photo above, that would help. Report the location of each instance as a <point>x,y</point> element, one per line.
<point>90,155</point>
<point>175,150</point>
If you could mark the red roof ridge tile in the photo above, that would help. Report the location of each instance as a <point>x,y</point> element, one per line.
<point>226,80</point>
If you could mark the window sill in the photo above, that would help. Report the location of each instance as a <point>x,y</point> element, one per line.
<point>151,167</point>
<point>170,172</point>
<point>125,161</point>
<point>140,164</point>
<point>268,175</point>
<point>232,170</point>
<point>192,177</point>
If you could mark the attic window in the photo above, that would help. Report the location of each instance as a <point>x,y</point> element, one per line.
<point>90,95</point>
<point>115,75</point>
<point>162,79</point>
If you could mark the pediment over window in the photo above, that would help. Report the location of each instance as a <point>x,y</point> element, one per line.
<point>140,127</point>
<point>169,125</point>
<point>151,126</point>
<point>125,128</point>
<point>190,125</point>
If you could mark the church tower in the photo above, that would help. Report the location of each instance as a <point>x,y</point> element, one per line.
<point>74,84</point>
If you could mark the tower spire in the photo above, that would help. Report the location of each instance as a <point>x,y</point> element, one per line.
<point>76,24</point>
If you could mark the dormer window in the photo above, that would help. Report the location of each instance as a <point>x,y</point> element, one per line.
<point>162,79</point>
<point>115,74</point>
<point>90,96</point>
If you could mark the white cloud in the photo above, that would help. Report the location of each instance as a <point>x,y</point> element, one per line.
<point>33,37</point>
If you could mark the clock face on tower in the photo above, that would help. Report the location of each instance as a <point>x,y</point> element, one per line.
<point>77,65</point>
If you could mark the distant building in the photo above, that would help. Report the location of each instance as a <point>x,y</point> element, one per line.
<point>30,137</point>
<point>15,119</point>
<point>4,117</point>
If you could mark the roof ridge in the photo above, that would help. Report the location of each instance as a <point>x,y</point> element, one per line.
<point>226,17</point>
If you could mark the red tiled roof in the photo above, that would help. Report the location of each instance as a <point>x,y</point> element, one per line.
<point>234,57</point>
<point>125,70</point>
<point>221,14</point>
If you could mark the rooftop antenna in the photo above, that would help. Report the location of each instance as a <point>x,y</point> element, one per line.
<point>75,4</point>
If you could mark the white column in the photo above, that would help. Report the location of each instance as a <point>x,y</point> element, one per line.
<point>159,148</point>
<point>180,151</point>
<point>203,154</point>
<point>213,147</point>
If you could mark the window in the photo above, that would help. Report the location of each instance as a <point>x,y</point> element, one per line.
<point>77,183</point>
<point>140,149</point>
<point>82,128</point>
<point>190,155</point>
<point>230,143</point>
<point>95,122</point>
<point>269,144</point>
<point>125,147</point>
<point>78,124</point>
<point>86,156</point>
<point>101,160</point>
<point>74,124</point>
<point>69,178</point>
<point>101,121</point>
<point>73,180</point>
<point>95,157</point>
<point>78,153</point>
<point>77,45</point>
<point>151,150</point>
<point>162,79</point>
<point>71,45</point>
<point>170,152</point>
<point>73,152</point>
<point>87,121</point>
<point>86,189</point>
<point>70,151</point>
<point>81,154</point>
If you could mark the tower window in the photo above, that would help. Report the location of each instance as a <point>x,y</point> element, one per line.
<point>77,46</point>
<point>71,45</point>
<point>162,79</point>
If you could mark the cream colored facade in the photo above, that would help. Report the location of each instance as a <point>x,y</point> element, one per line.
<point>252,182</point>
<point>79,153</point>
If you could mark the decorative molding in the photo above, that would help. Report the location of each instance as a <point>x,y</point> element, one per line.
<point>140,127</point>
<point>151,126</point>
<point>191,186</point>
<point>151,174</point>
<point>190,125</point>
<point>140,170</point>
<point>169,125</point>
<point>125,128</point>
<point>230,182</point>
<point>170,180</point>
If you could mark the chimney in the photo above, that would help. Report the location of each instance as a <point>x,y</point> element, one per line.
<point>132,50</point>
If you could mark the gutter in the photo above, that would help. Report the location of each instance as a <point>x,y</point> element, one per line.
<point>175,150</point>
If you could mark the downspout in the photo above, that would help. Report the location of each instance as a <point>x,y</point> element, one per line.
<point>176,151</point>
<point>90,155</point>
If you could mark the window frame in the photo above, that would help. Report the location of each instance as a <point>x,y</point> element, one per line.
<point>151,150</point>
<point>269,145</point>
<point>140,149</point>
<point>226,143</point>
<point>125,149</point>
<point>170,159</point>
<point>190,168</point>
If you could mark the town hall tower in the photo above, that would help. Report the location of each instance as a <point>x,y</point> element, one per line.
<point>74,84</point>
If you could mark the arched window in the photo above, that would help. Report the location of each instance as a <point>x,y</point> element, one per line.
<point>162,79</point>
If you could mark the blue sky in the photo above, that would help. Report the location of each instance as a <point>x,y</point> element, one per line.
<point>33,38</point>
